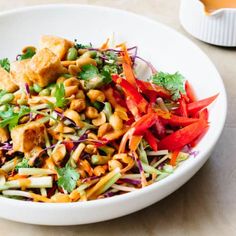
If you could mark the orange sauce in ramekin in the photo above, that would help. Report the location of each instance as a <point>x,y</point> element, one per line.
<point>213,5</point>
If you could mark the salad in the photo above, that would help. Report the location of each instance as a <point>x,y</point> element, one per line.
<point>80,123</point>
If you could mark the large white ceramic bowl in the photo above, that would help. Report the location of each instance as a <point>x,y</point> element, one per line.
<point>167,49</point>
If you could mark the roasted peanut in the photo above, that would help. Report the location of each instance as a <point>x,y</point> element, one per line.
<point>73,115</point>
<point>101,119</point>
<point>121,112</point>
<point>68,130</point>
<point>80,94</point>
<point>103,129</point>
<point>85,61</point>
<point>73,69</point>
<point>116,122</point>
<point>113,164</point>
<point>91,113</point>
<point>99,170</point>
<point>59,128</point>
<point>76,154</point>
<point>96,95</point>
<point>123,157</point>
<point>70,90</point>
<point>78,105</point>
<point>86,166</point>
<point>58,153</point>
<point>81,51</point>
<point>91,149</point>
<point>73,81</point>
<point>68,63</point>
<point>92,136</point>
<point>61,79</point>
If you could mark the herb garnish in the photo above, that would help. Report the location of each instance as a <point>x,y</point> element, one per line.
<point>5,64</point>
<point>172,82</point>
<point>67,178</point>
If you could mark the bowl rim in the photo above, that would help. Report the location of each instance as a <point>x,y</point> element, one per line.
<point>148,189</point>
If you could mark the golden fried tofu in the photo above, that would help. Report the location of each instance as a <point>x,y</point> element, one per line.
<point>56,44</point>
<point>6,81</point>
<point>19,71</point>
<point>26,136</point>
<point>4,135</point>
<point>44,67</point>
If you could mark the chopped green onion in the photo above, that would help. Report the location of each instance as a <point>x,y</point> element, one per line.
<point>109,183</point>
<point>35,171</point>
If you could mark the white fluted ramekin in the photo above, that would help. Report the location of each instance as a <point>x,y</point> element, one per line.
<point>218,28</point>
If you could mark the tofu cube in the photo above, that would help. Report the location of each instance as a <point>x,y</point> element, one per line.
<point>57,45</point>
<point>19,71</point>
<point>44,67</point>
<point>27,136</point>
<point>6,81</point>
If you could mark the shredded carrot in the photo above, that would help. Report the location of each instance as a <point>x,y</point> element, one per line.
<point>39,198</point>
<point>17,176</point>
<point>101,182</point>
<point>105,45</point>
<point>174,156</point>
<point>134,142</point>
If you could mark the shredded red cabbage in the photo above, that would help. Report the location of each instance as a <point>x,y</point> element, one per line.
<point>130,181</point>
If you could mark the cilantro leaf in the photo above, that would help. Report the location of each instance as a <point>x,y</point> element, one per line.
<point>111,69</point>
<point>172,82</point>
<point>67,178</point>
<point>94,79</point>
<point>11,118</point>
<point>59,94</point>
<point>23,164</point>
<point>28,54</point>
<point>2,93</point>
<point>106,77</point>
<point>82,46</point>
<point>5,64</point>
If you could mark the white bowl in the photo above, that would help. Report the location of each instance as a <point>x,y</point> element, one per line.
<point>167,49</point>
<point>218,28</point>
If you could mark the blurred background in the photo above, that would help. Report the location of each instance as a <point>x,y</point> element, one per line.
<point>206,205</point>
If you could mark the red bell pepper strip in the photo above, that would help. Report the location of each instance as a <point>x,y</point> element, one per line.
<point>174,156</point>
<point>184,136</point>
<point>69,145</point>
<point>152,90</point>
<point>144,123</point>
<point>183,107</point>
<point>152,141</point>
<point>190,92</point>
<point>198,139</point>
<point>194,107</point>
<point>39,116</point>
<point>119,98</point>
<point>160,128</point>
<point>204,114</point>
<point>179,120</point>
<point>132,92</point>
<point>132,107</point>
